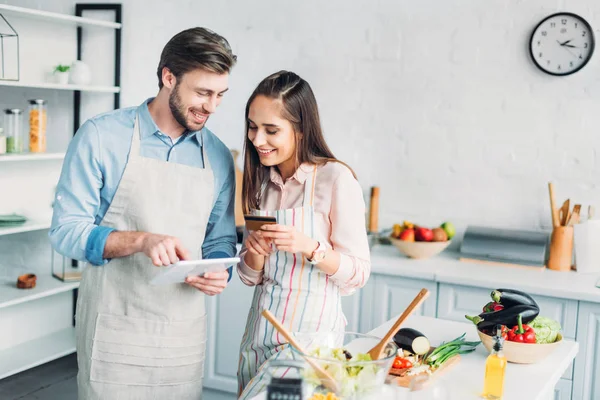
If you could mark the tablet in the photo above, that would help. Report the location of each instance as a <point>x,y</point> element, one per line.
<point>176,273</point>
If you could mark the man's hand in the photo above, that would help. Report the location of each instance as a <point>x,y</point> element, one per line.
<point>211,283</point>
<point>163,250</point>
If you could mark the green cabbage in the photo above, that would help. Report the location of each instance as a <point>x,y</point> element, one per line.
<point>546,329</point>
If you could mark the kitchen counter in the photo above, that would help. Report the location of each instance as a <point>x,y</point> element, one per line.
<point>464,381</point>
<point>446,268</point>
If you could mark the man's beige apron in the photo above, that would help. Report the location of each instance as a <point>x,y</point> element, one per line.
<point>134,340</point>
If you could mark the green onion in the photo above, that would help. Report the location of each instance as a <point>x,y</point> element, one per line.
<point>446,351</point>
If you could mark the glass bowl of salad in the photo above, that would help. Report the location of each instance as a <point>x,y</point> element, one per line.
<point>344,357</point>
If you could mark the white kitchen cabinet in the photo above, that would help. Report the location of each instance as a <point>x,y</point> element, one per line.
<point>562,390</point>
<point>390,297</point>
<point>226,316</point>
<point>586,379</point>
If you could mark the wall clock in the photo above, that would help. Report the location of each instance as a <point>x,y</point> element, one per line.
<point>562,44</point>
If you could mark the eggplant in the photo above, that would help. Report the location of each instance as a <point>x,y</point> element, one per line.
<point>412,340</point>
<point>511,297</point>
<point>507,317</point>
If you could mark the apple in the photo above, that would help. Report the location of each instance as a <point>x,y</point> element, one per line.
<point>408,235</point>
<point>449,228</point>
<point>423,234</point>
<point>439,235</point>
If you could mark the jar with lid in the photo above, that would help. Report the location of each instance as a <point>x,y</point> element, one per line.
<point>13,129</point>
<point>37,126</point>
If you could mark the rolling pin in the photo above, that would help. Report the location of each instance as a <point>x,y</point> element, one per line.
<point>374,210</point>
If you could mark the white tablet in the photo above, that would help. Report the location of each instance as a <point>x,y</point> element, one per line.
<point>176,273</point>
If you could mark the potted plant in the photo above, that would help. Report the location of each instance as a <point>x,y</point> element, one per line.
<point>61,72</point>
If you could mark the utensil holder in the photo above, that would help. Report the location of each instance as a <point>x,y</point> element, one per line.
<point>561,249</point>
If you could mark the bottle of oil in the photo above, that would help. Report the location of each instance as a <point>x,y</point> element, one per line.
<point>495,366</point>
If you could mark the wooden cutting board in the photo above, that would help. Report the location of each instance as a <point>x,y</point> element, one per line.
<point>400,377</point>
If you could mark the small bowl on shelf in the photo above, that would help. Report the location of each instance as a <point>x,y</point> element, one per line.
<point>419,250</point>
<point>522,353</point>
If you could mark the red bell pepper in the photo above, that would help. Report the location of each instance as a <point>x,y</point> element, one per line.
<point>493,306</point>
<point>521,333</point>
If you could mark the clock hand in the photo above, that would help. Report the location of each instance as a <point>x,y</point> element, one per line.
<point>571,46</point>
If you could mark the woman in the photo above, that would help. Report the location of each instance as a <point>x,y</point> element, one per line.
<point>318,250</point>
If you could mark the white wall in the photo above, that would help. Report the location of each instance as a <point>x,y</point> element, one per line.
<point>437,102</point>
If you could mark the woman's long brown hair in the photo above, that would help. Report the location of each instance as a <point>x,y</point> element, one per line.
<point>300,108</point>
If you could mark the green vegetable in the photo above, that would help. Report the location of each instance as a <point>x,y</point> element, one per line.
<point>445,351</point>
<point>352,376</point>
<point>546,329</point>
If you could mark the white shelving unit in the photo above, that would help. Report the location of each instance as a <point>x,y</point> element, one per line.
<point>58,86</point>
<point>31,157</point>
<point>11,296</point>
<point>28,226</point>
<point>19,306</point>
<point>56,17</point>
<point>37,352</point>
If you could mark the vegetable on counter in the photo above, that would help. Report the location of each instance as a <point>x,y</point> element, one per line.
<point>412,340</point>
<point>445,351</point>
<point>492,306</point>
<point>511,297</point>
<point>521,333</point>
<point>507,316</point>
<point>402,363</point>
<point>546,329</point>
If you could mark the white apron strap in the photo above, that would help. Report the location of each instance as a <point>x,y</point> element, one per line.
<point>135,139</point>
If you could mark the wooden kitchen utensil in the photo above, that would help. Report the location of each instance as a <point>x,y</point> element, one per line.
<point>564,212</point>
<point>561,249</point>
<point>575,217</point>
<point>326,379</point>
<point>376,351</point>
<point>374,210</point>
<point>553,209</point>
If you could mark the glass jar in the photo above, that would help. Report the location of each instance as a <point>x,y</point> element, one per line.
<point>2,142</point>
<point>37,126</point>
<point>13,127</point>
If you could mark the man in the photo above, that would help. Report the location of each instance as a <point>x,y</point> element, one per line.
<point>143,187</point>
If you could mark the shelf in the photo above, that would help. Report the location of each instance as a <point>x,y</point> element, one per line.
<point>59,86</point>
<point>28,226</point>
<point>36,352</point>
<point>46,285</point>
<point>32,157</point>
<point>56,17</point>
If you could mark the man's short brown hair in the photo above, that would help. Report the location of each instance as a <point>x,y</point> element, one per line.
<point>196,48</point>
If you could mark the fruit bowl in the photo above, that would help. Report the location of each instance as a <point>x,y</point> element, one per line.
<point>522,353</point>
<point>419,250</point>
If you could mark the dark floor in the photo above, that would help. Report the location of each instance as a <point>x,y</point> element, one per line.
<point>56,380</point>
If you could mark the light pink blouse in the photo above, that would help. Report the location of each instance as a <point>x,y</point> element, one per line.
<point>339,202</point>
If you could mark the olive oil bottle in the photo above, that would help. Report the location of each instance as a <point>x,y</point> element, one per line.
<point>495,367</point>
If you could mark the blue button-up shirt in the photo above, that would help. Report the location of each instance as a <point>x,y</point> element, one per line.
<point>93,167</point>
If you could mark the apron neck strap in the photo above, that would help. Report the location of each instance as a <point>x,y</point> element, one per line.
<point>135,138</point>
<point>309,188</point>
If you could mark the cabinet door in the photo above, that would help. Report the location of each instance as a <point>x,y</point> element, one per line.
<point>562,390</point>
<point>586,380</point>
<point>226,316</point>
<point>391,296</point>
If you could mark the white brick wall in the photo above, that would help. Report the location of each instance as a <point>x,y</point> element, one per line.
<point>437,102</point>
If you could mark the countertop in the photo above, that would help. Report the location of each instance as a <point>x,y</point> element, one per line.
<point>447,268</point>
<point>464,381</point>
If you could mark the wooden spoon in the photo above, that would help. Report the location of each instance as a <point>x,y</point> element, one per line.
<point>326,379</point>
<point>376,351</point>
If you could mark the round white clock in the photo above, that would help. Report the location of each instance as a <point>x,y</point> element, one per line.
<point>562,44</point>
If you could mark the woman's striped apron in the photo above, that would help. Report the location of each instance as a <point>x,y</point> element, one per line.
<point>300,295</point>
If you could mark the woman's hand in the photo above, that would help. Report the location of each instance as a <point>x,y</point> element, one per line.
<point>257,244</point>
<point>286,238</point>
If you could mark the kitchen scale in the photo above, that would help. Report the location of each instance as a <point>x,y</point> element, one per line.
<point>505,247</point>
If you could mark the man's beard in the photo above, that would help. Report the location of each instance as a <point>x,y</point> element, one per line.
<point>179,111</point>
